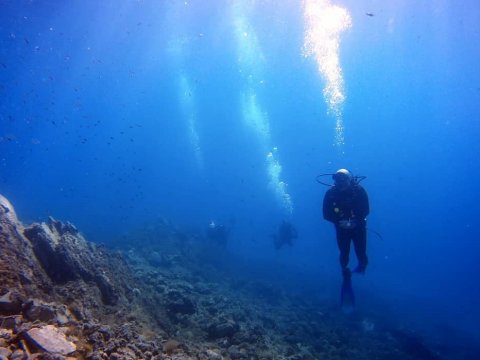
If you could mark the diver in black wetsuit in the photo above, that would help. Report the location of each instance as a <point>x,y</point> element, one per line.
<point>217,234</point>
<point>346,205</point>
<point>285,235</point>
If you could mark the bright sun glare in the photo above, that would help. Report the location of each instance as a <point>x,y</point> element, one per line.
<point>324,23</point>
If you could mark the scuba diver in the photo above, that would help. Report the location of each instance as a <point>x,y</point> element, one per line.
<point>285,235</point>
<point>346,205</point>
<point>217,234</point>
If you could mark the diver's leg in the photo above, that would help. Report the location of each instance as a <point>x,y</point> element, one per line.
<point>343,242</point>
<point>360,245</point>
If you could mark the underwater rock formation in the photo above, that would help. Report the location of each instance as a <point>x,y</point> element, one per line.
<point>18,268</point>
<point>8,215</point>
<point>178,303</point>
<point>55,290</point>
<point>223,329</point>
<point>65,256</point>
<point>49,339</point>
<point>62,297</point>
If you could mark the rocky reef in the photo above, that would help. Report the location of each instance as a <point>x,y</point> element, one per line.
<point>61,296</point>
<point>173,296</point>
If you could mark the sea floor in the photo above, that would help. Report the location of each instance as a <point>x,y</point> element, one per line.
<point>167,294</point>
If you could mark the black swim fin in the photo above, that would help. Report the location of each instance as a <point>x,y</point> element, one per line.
<point>347,297</point>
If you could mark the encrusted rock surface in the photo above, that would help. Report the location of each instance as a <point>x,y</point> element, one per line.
<point>66,256</point>
<point>63,296</point>
<point>49,339</point>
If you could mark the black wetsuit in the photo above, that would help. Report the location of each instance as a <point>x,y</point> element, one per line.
<point>344,205</point>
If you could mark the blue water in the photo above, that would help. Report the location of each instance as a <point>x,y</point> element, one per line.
<point>115,113</point>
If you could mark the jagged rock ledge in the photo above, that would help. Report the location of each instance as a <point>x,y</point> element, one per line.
<point>63,297</point>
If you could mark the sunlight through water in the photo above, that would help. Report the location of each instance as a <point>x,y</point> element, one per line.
<point>178,49</point>
<point>251,63</point>
<point>324,24</point>
<point>279,186</point>
<point>187,104</point>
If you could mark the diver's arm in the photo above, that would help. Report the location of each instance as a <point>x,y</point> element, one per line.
<point>363,204</point>
<point>328,213</point>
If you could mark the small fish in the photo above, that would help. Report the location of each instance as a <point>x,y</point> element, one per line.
<point>369,14</point>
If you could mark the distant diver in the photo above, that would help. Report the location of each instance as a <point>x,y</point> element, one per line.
<point>217,234</point>
<point>285,234</point>
<point>346,205</point>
